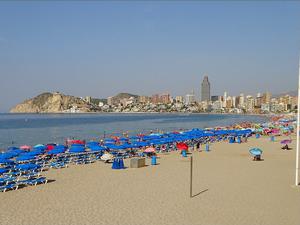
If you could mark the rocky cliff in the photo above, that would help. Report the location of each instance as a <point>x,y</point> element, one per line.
<point>53,103</point>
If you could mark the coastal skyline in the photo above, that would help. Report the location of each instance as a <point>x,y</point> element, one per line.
<point>100,48</point>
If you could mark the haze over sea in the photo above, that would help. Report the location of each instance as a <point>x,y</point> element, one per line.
<point>31,129</point>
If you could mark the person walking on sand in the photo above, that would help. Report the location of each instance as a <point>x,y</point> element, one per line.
<point>198,146</point>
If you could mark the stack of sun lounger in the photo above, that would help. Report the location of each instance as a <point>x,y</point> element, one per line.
<point>20,175</point>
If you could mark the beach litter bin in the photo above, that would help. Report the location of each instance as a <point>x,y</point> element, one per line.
<point>153,160</point>
<point>121,164</point>
<point>137,162</point>
<point>207,147</point>
<point>115,165</point>
<point>257,135</point>
<point>239,140</point>
<point>118,163</point>
<point>184,153</point>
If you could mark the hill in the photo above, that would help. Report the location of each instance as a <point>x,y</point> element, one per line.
<point>124,95</point>
<point>291,93</point>
<point>52,103</point>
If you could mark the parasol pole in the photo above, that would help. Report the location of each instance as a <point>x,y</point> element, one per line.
<point>191,177</point>
<point>298,119</point>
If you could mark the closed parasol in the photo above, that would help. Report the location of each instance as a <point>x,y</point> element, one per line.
<point>149,150</point>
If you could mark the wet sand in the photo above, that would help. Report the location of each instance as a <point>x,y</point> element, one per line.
<point>229,188</point>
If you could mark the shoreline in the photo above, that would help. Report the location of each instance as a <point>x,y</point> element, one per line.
<point>182,113</point>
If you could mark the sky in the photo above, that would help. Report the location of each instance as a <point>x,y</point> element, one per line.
<point>99,48</point>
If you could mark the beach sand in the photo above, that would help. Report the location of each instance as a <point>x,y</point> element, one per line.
<point>229,188</point>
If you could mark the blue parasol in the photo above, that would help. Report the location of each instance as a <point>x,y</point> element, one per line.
<point>76,149</point>
<point>25,157</point>
<point>6,161</point>
<point>97,148</point>
<point>255,151</point>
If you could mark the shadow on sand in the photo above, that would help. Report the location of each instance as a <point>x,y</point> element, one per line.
<point>201,192</point>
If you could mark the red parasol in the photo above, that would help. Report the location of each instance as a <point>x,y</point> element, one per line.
<point>182,146</point>
<point>25,147</point>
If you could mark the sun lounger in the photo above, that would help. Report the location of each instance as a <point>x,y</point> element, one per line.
<point>58,165</point>
<point>40,180</point>
<point>9,186</point>
<point>31,175</point>
<point>13,173</point>
<point>7,180</point>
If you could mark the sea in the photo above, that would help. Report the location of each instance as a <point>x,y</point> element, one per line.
<point>32,129</point>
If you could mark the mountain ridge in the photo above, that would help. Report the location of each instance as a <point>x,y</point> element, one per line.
<point>51,103</point>
<point>57,102</point>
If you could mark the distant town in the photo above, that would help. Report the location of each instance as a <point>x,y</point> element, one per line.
<point>262,103</point>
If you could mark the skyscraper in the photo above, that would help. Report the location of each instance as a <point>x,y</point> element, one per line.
<point>225,100</point>
<point>205,89</point>
<point>242,100</point>
<point>266,98</point>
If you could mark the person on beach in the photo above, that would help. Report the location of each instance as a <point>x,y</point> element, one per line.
<point>286,147</point>
<point>198,146</point>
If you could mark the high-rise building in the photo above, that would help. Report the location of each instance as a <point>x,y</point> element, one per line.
<point>144,99</point>
<point>225,100</point>
<point>249,103</point>
<point>88,99</point>
<point>242,100</point>
<point>190,99</point>
<point>155,99</point>
<point>229,102</point>
<point>234,101</point>
<point>214,98</point>
<point>205,89</point>
<point>179,99</point>
<point>266,98</point>
<point>165,98</point>
<point>258,101</point>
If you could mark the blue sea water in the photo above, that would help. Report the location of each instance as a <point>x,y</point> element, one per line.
<point>30,129</point>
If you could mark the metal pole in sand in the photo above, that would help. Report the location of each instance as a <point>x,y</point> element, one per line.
<point>191,177</point>
<point>298,118</point>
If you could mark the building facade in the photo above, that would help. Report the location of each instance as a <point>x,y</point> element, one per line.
<point>214,98</point>
<point>165,98</point>
<point>190,99</point>
<point>179,99</point>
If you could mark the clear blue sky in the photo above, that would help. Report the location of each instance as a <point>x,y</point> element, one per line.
<point>101,48</point>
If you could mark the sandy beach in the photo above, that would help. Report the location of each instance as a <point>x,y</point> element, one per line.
<point>229,188</point>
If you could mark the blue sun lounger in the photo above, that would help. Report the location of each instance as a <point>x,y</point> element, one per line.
<point>35,181</point>
<point>8,183</point>
<point>9,186</point>
<point>58,165</point>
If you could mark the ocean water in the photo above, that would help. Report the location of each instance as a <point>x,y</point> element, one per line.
<point>31,129</point>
